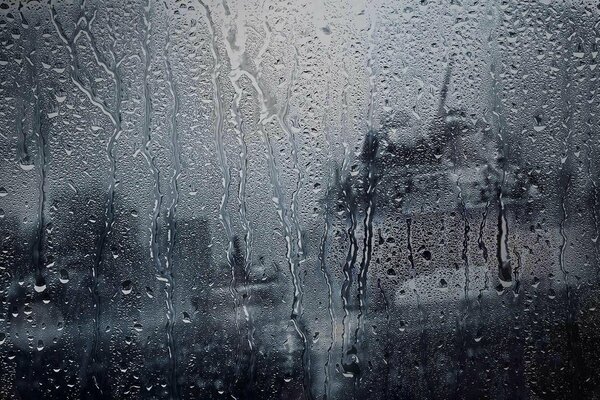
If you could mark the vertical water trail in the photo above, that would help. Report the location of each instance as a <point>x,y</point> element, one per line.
<point>294,207</point>
<point>109,220</point>
<point>82,27</point>
<point>110,147</point>
<point>33,96</point>
<point>465,249</point>
<point>516,273</point>
<point>480,240</point>
<point>282,119</point>
<point>267,114</point>
<point>164,273</point>
<point>420,310</point>
<point>463,319</point>
<point>386,355</point>
<point>70,43</point>
<point>147,134</point>
<point>172,221</point>
<point>371,74</point>
<point>578,370</point>
<point>589,113</point>
<point>98,57</point>
<point>350,209</point>
<point>292,253</point>
<point>39,285</point>
<point>326,277</point>
<point>351,256</point>
<point>38,131</point>
<point>371,147</point>
<point>370,150</point>
<point>594,206</point>
<point>291,256</point>
<point>236,72</point>
<point>323,253</point>
<point>344,117</point>
<point>243,211</point>
<point>565,175</point>
<point>282,212</point>
<point>500,128</point>
<point>482,246</point>
<point>22,153</point>
<point>590,166</point>
<point>423,337</point>
<point>413,268</point>
<point>225,172</point>
<point>292,259</point>
<point>499,124</point>
<point>502,253</point>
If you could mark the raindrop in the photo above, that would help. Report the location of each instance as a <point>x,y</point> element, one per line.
<point>186,318</point>
<point>443,284</point>
<point>126,287</point>
<point>64,276</point>
<point>40,285</point>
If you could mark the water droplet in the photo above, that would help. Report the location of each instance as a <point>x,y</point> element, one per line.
<point>186,318</point>
<point>64,276</point>
<point>126,287</point>
<point>26,167</point>
<point>443,285</point>
<point>40,285</point>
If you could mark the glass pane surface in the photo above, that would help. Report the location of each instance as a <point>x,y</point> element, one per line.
<point>311,199</point>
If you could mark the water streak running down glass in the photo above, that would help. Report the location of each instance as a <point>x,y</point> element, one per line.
<point>312,199</point>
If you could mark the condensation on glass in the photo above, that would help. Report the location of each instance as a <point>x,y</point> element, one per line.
<point>319,199</point>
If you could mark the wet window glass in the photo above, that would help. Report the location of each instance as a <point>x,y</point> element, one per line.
<point>312,199</point>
